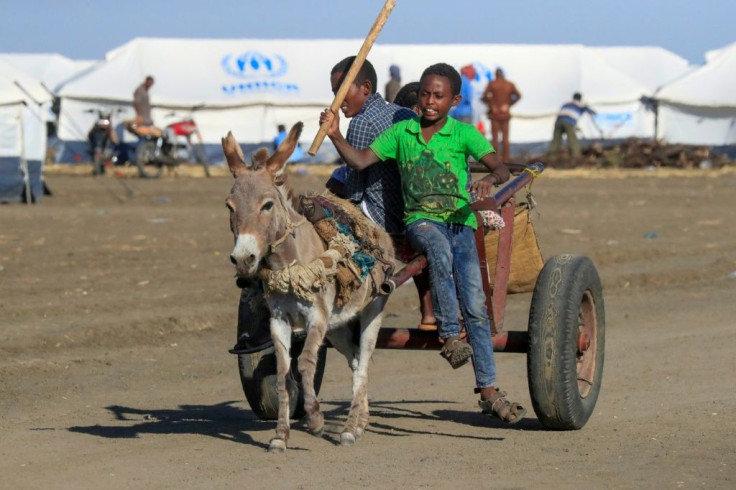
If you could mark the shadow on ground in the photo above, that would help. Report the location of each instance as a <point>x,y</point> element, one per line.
<point>230,423</point>
<point>222,421</point>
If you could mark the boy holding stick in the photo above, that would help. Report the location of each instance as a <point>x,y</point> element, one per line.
<point>377,189</point>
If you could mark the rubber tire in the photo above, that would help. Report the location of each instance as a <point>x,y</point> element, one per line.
<point>144,160</point>
<point>553,331</point>
<point>259,380</point>
<point>98,162</point>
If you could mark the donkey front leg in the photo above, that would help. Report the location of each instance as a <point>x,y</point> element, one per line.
<point>281,336</point>
<point>370,323</point>
<point>307,365</point>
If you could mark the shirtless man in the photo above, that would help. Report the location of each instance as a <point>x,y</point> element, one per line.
<point>142,125</point>
<point>499,96</point>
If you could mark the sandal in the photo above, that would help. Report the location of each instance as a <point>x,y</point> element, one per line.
<point>427,327</point>
<point>457,352</point>
<point>498,406</point>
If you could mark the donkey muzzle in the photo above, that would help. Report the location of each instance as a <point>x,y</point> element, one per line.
<point>246,261</point>
<point>246,255</point>
<point>245,265</point>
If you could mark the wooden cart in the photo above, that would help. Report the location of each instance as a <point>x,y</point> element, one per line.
<point>564,340</point>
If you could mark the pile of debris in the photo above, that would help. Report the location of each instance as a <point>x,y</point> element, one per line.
<point>637,154</point>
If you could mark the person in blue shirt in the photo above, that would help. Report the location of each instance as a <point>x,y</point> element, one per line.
<point>463,112</point>
<point>567,121</point>
<point>281,136</point>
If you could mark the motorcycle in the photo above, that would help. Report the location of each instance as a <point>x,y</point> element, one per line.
<point>104,147</point>
<point>169,147</point>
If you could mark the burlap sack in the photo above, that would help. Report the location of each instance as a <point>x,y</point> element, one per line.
<point>526,257</point>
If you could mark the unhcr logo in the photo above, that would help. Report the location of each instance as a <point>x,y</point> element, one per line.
<point>260,86</point>
<point>253,64</point>
<point>259,70</point>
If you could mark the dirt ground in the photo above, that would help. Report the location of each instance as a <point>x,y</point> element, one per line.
<point>117,310</point>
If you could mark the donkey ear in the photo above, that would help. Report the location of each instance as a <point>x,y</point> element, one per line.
<point>233,154</point>
<point>276,164</point>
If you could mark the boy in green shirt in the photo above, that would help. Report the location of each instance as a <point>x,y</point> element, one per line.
<point>431,152</point>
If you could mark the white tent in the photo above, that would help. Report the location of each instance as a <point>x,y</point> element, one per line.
<point>22,135</point>
<point>247,86</point>
<point>50,69</point>
<point>700,107</point>
<point>250,86</point>
<point>650,65</point>
<point>546,75</point>
<point>712,54</point>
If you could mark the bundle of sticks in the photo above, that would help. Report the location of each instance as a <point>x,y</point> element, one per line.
<point>637,154</point>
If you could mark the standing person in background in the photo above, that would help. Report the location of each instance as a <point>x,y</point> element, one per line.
<point>281,136</point>
<point>566,123</point>
<point>463,112</point>
<point>142,125</point>
<point>142,102</point>
<point>499,95</point>
<point>393,85</point>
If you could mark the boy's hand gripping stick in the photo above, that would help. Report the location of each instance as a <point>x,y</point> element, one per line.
<point>353,72</point>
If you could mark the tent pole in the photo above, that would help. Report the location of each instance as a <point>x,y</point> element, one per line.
<point>23,161</point>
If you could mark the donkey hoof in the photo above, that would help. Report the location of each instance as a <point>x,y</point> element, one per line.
<point>277,446</point>
<point>347,439</point>
<point>316,425</point>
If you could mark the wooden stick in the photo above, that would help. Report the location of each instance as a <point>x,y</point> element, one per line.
<point>353,72</point>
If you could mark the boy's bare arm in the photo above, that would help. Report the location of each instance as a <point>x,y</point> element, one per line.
<point>499,173</point>
<point>357,159</point>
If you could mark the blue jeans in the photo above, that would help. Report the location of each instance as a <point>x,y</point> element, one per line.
<point>454,273</point>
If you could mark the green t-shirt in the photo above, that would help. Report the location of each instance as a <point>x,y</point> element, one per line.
<point>435,176</point>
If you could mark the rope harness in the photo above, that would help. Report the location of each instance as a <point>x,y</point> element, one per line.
<point>352,252</point>
<point>290,225</point>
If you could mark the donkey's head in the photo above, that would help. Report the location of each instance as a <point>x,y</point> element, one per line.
<point>258,201</point>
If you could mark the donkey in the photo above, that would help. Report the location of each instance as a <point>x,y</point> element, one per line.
<point>270,235</point>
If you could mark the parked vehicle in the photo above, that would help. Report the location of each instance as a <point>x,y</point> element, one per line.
<point>177,143</point>
<point>105,148</point>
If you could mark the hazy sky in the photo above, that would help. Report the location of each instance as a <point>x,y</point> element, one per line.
<point>86,29</point>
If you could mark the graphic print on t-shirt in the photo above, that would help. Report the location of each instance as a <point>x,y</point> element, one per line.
<point>431,185</point>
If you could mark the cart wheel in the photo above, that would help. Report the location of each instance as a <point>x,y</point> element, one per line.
<point>566,342</point>
<point>259,380</point>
